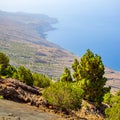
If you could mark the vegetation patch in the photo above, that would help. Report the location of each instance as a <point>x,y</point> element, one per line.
<point>87,82</point>
<point>113,111</point>
<point>1,97</point>
<point>64,95</point>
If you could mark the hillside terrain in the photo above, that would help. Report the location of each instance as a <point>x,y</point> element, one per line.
<point>19,92</point>
<point>113,79</point>
<point>23,112</point>
<point>23,39</point>
<point>30,104</point>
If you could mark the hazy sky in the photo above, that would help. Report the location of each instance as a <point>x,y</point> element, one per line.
<point>63,7</point>
<point>83,24</point>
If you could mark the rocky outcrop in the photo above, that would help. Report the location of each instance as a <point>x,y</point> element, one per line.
<point>15,90</point>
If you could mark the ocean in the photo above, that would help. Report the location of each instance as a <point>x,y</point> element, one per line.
<point>100,34</point>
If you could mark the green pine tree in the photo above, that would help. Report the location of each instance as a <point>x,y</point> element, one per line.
<point>75,67</point>
<point>4,62</point>
<point>90,74</point>
<point>25,75</point>
<point>66,76</point>
<point>9,71</point>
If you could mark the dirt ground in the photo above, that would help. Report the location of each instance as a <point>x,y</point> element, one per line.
<point>10,110</point>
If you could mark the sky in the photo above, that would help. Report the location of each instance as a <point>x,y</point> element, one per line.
<point>83,24</point>
<point>61,7</point>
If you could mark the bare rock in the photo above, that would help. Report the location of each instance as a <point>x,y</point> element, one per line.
<point>17,91</point>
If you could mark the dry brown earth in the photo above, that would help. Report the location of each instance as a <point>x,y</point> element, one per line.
<point>10,110</point>
<point>113,79</point>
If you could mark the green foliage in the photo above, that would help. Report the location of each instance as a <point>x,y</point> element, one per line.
<point>10,71</point>
<point>75,67</point>
<point>41,80</point>
<point>24,75</point>
<point>64,95</point>
<point>113,112</point>
<point>107,98</point>
<point>4,62</point>
<point>66,76</point>
<point>1,97</point>
<point>89,71</point>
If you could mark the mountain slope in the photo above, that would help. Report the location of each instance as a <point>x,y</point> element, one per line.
<point>26,27</point>
<point>22,38</point>
<point>113,79</point>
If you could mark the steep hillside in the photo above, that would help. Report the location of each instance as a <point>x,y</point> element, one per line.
<point>113,79</point>
<point>22,38</point>
<point>26,27</point>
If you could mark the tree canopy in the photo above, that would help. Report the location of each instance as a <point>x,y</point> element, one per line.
<point>66,76</point>
<point>25,75</point>
<point>4,62</point>
<point>89,73</point>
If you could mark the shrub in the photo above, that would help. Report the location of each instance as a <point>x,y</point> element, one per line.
<point>41,80</point>
<point>1,97</point>
<point>4,62</point>
<point>64,95</point>
<point>66,76</point>
<point>113,112</point>
<point>10,71</point>
<point>24,75</point>
<point>107,98</point>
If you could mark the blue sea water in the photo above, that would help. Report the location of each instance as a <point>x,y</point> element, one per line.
<point>101,34</point>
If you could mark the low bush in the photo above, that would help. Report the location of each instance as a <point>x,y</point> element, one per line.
<point>10,71</point>
<point>24,75</point>
<point>113,112</point>
<point>64,95</point>
<point>107,98</point>
<point>1,97</point>
<point>41,80</point>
